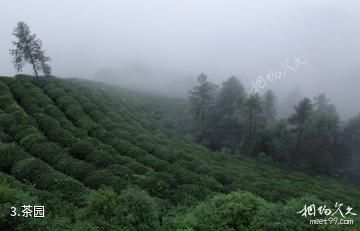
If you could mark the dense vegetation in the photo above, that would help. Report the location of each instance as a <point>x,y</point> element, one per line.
<point>106,158</point>
<point>312,138</point>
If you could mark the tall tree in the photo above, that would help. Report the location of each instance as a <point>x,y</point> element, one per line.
<point>228,113</point>
<point>28,49</point>
<point>322,135</point>
<point>351,141</point>
<point>202,98</point>
<point>287,105</point>
<point>269,101</point>
<point>253,112</point>
<point>231,96</point>
<point>274,141</point>
<point>300,118</point>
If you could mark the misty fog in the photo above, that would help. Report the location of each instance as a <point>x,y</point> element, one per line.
<point>162,46</point>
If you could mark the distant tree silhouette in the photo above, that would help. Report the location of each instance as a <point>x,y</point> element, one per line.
<point>28,49</point>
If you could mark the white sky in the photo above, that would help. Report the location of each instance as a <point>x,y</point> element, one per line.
<point>220,38</point>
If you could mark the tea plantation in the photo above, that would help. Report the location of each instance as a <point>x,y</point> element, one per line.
<point>99,157</point>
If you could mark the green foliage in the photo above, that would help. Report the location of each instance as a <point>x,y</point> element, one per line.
<point>262,157</point>
<point>101,204</point>
<point>274,141</point>
<point>35,171</point>
<point>228,106</point>
<point>81,149</point>
<point>120,170</point>
<point>28,50</point>
<point>47,151</point>
<point>99,178</point>
<point>5,138</point>
<point>269,102</point>
<point>17,113</point>
<point>6,122</point>
<point>202,98</point>
<point>137,211</point>
<point>77,169</point>
<point>86,142</point>
<point>234,211</point>
<point>21,131</point>
<point>62,137</point>
<point>5,101</point>
<point>138,167</point>
<point>11,197</point>
<point>9,155</point>
<point>132,209</point>
<point>283,217</point>
<point>29,141</point>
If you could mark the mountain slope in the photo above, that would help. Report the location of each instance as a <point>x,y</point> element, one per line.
<point>75,146</point>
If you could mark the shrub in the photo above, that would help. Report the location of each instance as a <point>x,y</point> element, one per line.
<point>10,197</point>
<point>77,132</point>
<point>62,137</point>
<point>99,133</point>
<point>5,101</point>
<point>165,154</point>
<point>54,92</point>
<point>185,193</point>
<point>158,184</point>
<point>9,155</point>
<point>35,171</point>
<point>137,167</point>
<point>17,113</point>
<point>262,157</point>
<point>107,123</point>
<point>76,168</point>
<point>28,141</point>
<point>46,178</point>
<point>101,204</point>
<point>70,189</point>
<point>81,149</point>
<point>53,111</point>
<point>4,137</point>
<point>95,115</point>
<point>137,211</point>
<point>225,178</point>
<point>49,152</point>
<point>90,107</point>
<point>47,123</point>
<point>98,178</point>
<point>285,217</point>
<point>120,170</point>
<point>234,211</point>
<point>7,122</point>
<point>66,101</point>
<point>153,162</point>
<point>101,159</point>
<point>85,122</point>
<point>4,89</point>
<point>21,131</point>
<point>181,175</point>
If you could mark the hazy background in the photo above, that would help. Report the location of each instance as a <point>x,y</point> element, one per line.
<point>163,45</point>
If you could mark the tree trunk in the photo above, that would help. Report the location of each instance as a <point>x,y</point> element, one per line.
<point>34,67</point>
<point>32,62</point>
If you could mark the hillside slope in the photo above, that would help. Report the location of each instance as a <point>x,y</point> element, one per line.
<point>105,158</point>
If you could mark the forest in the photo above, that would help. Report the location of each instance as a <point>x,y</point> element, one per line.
<point>312,138</point>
